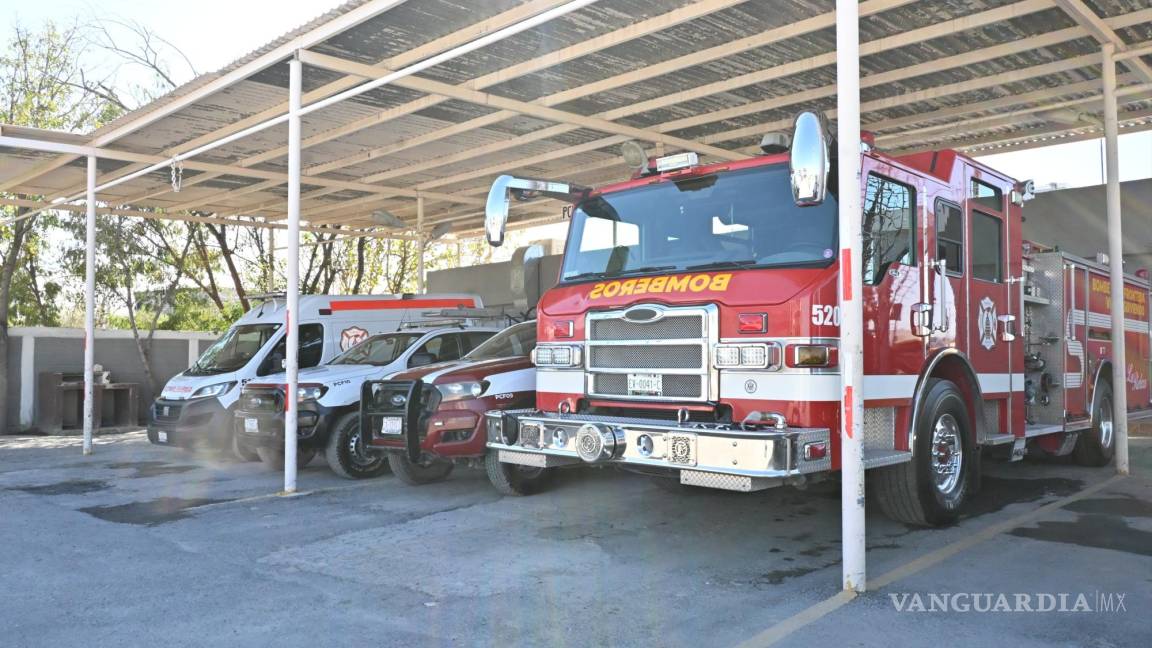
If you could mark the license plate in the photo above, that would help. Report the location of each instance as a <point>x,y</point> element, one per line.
<point>645,384</point>
<point>162,437</point>
<point>251,425</point>
<point>391,425</point>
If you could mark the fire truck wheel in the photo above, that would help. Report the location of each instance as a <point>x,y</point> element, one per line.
<point>512,479</point>
<point>1094,447</point>
<point>242,451</point>
<point>346,455</point>
<point>931,489</point>
<point>418,474</point>
<point>273,457</point>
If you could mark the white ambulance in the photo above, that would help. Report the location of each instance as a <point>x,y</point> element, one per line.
<point>196,407</point>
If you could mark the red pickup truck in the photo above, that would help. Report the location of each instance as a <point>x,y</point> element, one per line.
<point>431,418</point>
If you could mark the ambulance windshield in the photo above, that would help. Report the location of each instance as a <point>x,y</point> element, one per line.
<point>741,219</point>
<point>233,350</point>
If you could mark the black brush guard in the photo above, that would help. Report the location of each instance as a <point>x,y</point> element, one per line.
<point>380,399</point>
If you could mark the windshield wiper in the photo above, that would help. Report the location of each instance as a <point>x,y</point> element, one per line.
<point>622,273</point>
<point>723,264</point>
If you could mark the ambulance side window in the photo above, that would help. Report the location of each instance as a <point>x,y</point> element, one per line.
<point>311,345</point>
<point>950,237</point>
<point>889,227</point>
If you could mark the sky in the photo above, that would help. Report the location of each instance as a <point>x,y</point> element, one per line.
<point>213,33</point>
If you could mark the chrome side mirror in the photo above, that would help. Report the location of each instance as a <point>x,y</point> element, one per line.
<point>496,211</point>
<point>496,208</point>
<point>809,160</point>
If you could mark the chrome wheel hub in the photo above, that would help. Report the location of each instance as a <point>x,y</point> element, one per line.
<point>1106,423</point>
<point>947,454</point>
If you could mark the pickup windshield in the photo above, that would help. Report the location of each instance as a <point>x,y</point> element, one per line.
<point>378,350</point>
<point>518,340</point>
<point>738,219</point>
<point>233,350</point>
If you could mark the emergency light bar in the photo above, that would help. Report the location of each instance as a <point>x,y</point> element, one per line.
<point>678,161</point>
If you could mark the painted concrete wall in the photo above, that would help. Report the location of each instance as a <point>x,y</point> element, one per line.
<point>36,350</point>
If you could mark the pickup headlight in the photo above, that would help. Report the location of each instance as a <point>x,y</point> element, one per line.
<point>213,390</point>
<point>461,390</point>
<point>558,355</point>
<point>310,392</point>
<point>747,356</point>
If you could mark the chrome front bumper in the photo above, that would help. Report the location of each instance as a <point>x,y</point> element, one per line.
<point>709,455</point>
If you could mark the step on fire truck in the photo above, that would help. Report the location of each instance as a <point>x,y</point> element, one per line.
<point>693,332</point>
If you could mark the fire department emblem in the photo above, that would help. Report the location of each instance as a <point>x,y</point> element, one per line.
<point>987,321</point>
<point>352,336</point>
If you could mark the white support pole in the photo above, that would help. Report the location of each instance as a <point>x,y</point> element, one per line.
<point>292,346</point>
<point>422,243</point>
<point>90,308</point>
<point>1115,261</point>
<point>851,306</point>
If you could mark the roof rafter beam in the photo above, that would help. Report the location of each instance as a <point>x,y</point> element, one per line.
<point>315,36</point>
<point>768,37</point>
<point>477,97</point>
<point>1102,32</point>
<point>431,48</point>
<point>968,22</point>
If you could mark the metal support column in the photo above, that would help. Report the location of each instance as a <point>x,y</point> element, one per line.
<point>1115,261</point>
<point>90,308</point>
<point>422,243</point>
<point>292,348</point>
<point>851,306</point>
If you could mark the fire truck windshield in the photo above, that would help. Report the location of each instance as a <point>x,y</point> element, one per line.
<point>738,219</point>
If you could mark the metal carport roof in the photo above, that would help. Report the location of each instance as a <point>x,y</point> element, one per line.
<point>557,100</point>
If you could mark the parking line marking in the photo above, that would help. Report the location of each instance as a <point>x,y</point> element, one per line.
<point>279,495</point>
<point>840,599</point>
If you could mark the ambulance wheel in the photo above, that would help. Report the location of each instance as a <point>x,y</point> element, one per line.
<point>243,451</point>
<point>273,458</point>
<point>433,470</point>
<point>346,454</point>
<point>1094,447</point>
<point>514,479</point>
<point>930,489</point>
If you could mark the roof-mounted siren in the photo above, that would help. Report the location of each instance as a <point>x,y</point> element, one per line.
<point>809,161</point>
<point>1023,192</point>
<point>774,143</point>
<point>522,189</point>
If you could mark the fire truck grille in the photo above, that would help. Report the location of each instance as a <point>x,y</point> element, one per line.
<point>675,385</point>
<point>651,353</point>
<point>665,356</point>
<point>668,328</point>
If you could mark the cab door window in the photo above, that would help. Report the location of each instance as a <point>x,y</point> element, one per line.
<point>889,227</point>
<point>442,347</point>
<point>987,247</point>
<point>950,237</point>
<point>309,353</point>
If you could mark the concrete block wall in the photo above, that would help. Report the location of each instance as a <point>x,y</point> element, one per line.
<point>35,350</point>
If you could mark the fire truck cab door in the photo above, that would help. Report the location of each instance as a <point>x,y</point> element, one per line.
<point>990,335</point>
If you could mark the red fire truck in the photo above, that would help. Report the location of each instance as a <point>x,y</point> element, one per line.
<point>693,332</point>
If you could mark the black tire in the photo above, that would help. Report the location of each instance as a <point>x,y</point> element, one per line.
<point>515,480</point>
<point>1096,446</point>
<point>922,491</point>
<point>346,454</point>
<point>418,474</point>
<point>273,457</point>
<point>243,451</point>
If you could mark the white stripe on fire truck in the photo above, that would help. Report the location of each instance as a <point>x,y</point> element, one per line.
<point>1105,321</point>
<point>781,386</point>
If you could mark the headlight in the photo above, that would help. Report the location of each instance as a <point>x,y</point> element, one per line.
<point>310,392</point>
<point>747,356</point>
<point>213,390</point>
<point>558,355</point>
<point>461,390</point>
